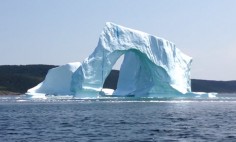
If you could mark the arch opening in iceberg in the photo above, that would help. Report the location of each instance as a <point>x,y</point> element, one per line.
<point>139,76</point>
<point>151,66</point>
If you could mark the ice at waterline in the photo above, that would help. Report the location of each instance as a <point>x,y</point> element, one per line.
<point>152,67</point>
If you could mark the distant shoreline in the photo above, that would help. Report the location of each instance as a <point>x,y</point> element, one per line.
<point>17,79</point>
<point>8,93</point>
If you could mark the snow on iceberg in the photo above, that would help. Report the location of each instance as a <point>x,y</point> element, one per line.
<point>152,67</point>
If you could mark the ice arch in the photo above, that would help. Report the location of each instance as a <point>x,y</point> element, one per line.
<point>151,65</point>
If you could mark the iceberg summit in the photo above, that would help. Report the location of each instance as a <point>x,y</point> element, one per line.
<point>152,67</point>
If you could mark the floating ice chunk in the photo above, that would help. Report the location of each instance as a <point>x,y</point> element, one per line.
<point>57,81</point>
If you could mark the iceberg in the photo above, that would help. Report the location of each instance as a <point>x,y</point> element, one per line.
<point>152,67</point>
<point>57,81</point>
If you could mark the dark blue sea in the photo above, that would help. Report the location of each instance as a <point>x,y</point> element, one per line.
<point>121,120</point>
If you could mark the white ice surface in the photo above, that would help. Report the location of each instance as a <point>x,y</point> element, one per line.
<point>151,64</point>
<point>57,81</point>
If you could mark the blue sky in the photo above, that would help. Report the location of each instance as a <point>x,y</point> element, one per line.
<point>62,31</point>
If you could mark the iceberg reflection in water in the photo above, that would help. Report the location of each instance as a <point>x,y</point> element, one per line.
<point>106,95</point>
<point>69,98</point>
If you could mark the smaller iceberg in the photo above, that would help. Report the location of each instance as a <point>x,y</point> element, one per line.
<point>57,81</point>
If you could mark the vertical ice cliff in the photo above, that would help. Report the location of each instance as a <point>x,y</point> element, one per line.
<point>152,66</point>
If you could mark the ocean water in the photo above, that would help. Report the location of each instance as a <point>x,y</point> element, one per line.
<point>121,120</point>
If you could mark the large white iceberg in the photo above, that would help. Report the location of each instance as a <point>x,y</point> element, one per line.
<point>152,66</point>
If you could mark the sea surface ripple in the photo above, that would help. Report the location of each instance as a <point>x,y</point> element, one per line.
<point>122,120</point>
